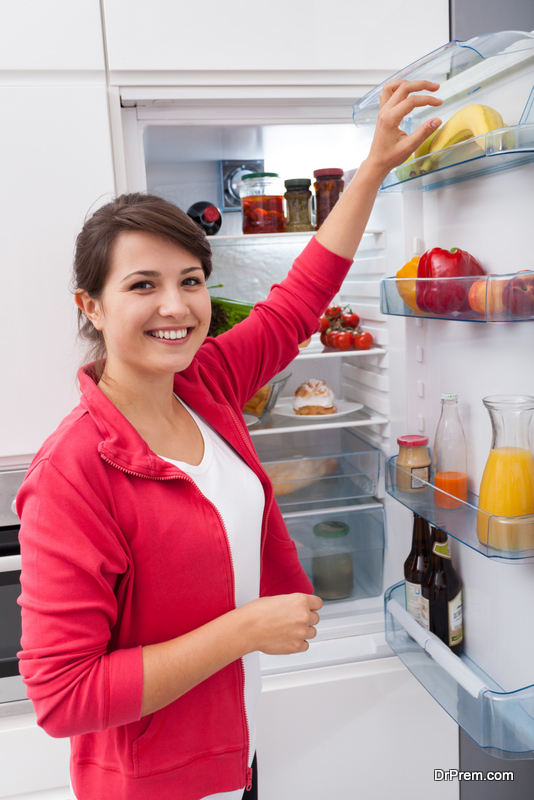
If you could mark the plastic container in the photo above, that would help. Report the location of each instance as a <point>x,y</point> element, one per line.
<point>328,187</point>
<point>298,204</point>
<point>263,203</point>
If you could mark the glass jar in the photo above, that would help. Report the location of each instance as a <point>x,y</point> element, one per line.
<point>414,460</point>
<point>298,204</point>
<point>263,203</point>
<point>328,186</point>
<point>332,568</point>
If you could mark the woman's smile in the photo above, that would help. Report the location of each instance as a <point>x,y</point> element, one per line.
<point>170,335</point>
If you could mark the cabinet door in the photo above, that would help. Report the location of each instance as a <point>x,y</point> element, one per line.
<point>365,729</point>
<point>56,165</point>
<point>163,35</point>
<point>50,35</point>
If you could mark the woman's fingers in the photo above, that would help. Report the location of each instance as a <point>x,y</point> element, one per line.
<point>399,90</point>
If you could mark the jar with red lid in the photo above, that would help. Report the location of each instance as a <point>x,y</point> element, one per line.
<point>413,464</point>
<point>328,186</point>
<point>262,199</point>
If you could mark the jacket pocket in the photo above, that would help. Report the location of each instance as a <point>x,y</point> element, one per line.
<point>148,738</point>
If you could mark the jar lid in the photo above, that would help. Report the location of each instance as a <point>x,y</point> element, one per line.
<point>331,529</point>
<point>449,397</point>
<point>335,173</point>
<point>297,182</point>
<point>412,441</point>
<point>260,175</point>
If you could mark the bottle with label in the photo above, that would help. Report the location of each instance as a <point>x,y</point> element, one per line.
<point>416,565</point>
<point>413,463</point>
<point>450,455</point>
<point>207,216</point>
<point>441,590</point>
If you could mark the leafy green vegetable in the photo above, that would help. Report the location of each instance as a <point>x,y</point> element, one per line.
<point>226,313</point>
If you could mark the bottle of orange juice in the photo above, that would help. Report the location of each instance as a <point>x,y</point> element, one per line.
<point>507,487</point>
<point>450,455</point>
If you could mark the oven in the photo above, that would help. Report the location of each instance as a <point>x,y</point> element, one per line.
<point>11,685</point>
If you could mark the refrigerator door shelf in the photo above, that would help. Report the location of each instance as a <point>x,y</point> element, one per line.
<point>493,297</point>
<point>502,723</point>
<point>463,521</point>
<point>320,468</point>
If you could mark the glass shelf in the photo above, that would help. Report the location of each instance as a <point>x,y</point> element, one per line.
<point>466,522</point>
<point>488,297</point>
<point>502,723</point>
<point>317,350</point>
<point>331,468</point>
<point>273,422</point>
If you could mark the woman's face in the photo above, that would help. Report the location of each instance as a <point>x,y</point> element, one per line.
<point>155,310</point>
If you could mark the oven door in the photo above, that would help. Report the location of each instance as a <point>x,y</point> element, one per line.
<point>11,686</point>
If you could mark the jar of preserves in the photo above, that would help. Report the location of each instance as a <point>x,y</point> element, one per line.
<point>328,186</point>
<point>263,203</point>
<point>298,204</point>
<point>332,567</point>
<point>414,463</point>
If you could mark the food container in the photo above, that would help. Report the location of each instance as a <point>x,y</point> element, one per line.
<point>328,186</point>
<point>298,204</point>
<point>414,459</point>
<point>263,203</point>
<point>265,398</point>
<point>332,566</point>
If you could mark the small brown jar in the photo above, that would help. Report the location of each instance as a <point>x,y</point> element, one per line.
<point>328,186</point>
<point>298,205</point>
<point>414,463</point>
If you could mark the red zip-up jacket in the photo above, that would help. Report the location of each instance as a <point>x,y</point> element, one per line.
<point>120,550</point>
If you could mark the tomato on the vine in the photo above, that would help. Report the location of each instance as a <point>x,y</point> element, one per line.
<point>363,341</point>
<point>331,337</point>
<point>324,339</point>
<point>343,340</point>
<point>350,319</point>
<point>333,312</point>
<point>324,322</point>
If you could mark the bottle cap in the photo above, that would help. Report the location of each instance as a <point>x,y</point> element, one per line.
<point>260,175</point>
<point>331,529</point>
<point>412,441</point>
<point>297,182</point>
<point>449,396</point>
<point>333,172</point>
<point>211,214</point>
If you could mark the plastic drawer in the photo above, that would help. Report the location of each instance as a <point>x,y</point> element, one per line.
<point>365,545</point>
<point>317,469</point>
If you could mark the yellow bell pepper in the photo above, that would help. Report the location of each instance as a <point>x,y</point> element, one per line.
<point>406,288</point>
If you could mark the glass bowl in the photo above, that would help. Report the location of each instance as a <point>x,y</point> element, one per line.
<point>266,398</point>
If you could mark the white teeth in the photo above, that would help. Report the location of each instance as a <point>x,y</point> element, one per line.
<point>169,334</point>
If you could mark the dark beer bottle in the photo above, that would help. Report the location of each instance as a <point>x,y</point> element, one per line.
<point>416,565</point>
<point>441,610</point>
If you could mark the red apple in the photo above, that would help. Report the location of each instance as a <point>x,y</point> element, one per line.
<point>518,295</point>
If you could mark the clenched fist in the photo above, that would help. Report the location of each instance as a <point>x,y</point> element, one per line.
<point>283,624</point>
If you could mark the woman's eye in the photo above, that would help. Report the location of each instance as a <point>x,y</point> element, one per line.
<point>192,282</point>
<point>142,285</point>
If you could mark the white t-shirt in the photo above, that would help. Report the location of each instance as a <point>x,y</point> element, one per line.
<point>228,482</point>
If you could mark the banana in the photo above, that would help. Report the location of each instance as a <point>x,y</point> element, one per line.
<point>471,121</point>
<point>407,170</point>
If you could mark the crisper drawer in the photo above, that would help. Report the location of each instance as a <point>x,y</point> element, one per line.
<point>317,469</point>
<point>342,551</point>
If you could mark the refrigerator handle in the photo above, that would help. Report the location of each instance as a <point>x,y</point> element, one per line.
<point>439,651</point>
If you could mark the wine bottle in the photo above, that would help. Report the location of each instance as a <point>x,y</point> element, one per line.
<point>441,606</point>
<point>207,216</point>
<point>416,565</point>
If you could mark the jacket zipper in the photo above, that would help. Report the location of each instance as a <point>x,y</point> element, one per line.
<point>186,478</point>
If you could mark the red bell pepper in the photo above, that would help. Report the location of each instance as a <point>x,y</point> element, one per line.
<point>444,296</point>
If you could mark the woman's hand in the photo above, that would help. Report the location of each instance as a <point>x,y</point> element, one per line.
<point>282,624</point>
<point>391,146</point>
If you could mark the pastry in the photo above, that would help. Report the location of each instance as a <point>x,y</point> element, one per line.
<point>314,397</point>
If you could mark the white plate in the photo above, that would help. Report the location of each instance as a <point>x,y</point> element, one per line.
<point>285,409</point>
<point>250,419</point>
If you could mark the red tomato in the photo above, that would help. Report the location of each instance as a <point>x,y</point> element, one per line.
<point>333,312</point>
<point>343,340</point>
<point>323,339</point>
<point>331,337</point>
<point>350,319</point>
<point>324,322</point>
<point>363,341</point>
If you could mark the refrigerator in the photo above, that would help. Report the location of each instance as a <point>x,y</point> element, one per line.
<point>367,692</point>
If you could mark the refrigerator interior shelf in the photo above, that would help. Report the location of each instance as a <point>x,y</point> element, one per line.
<point>500,722</point>
<point>506,539</point>
<point>488,298</point>
<point>274,423</point>
<point>317,350</point>
<point>319,469</point>
<point>370,239</point>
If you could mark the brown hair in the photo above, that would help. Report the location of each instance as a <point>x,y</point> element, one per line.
<point>127,213</point>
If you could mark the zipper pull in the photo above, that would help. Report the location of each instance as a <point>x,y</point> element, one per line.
<point>248,787</point>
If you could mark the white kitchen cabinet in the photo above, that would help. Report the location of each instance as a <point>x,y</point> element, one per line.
<point>32,764</point>
<point>51,36</point>
<point>56,165</point>
<point>366,729</point>
<point>309,40</point>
